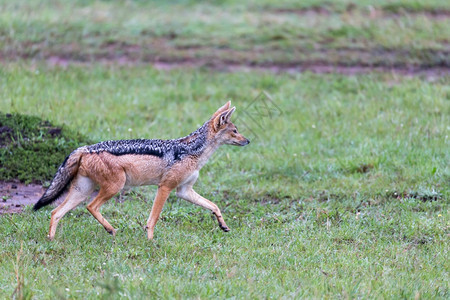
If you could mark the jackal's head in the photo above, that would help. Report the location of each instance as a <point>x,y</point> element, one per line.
<point>224,131</point>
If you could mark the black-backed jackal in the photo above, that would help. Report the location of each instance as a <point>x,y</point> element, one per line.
<point>169,164</point>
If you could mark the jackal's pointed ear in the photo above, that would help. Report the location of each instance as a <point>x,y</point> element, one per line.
<point>222,109</point>
<point>229,113</point>
<point>223,118</point>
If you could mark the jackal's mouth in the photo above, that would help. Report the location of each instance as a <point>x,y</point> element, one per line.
<point>242,143</point>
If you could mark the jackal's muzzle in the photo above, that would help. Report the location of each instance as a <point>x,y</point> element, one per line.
<point>242,143</point>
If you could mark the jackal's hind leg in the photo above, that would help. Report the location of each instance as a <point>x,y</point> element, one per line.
<point>187,193</point>
<point>105,193</point>
<point>94,207</point>
<point>81,188</point>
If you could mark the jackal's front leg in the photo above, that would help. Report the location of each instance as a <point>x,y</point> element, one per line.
<point>187,193</point>
<point>161,196</point>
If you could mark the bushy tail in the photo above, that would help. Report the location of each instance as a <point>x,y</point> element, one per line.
<point>66,172</point>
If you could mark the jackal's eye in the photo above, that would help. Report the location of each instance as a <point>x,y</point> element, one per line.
<point>234,130</point>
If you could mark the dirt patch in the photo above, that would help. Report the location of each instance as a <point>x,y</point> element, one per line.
<point>431,12</point>
<point>430,73</point>
<point>318,67</point>
<point>312,10</point>
<point>370,12</point>
<point>14,196</point>
<point>164,55</point>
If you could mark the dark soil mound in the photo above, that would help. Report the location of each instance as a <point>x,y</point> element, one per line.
<point>31,149</point>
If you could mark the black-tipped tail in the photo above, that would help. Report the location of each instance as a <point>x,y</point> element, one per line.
<point>66,172</point>
<point>49,198</point>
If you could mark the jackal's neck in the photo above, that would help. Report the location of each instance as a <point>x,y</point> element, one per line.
<point>209,150</point>
<point>196,142</point>
<point>200,143</point>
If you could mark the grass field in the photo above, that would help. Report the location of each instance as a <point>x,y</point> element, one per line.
<point>343,191</point>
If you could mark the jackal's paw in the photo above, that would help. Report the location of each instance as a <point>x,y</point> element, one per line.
<point>111,231</point>
<point>224,228</point>
<point>149,233</point>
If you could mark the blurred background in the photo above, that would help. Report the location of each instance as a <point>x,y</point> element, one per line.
<point>406,36</point>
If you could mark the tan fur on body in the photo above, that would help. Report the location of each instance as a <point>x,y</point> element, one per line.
<point>113,172</point>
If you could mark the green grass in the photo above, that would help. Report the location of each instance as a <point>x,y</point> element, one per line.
<point>343,190</point>
<point>397,250</point>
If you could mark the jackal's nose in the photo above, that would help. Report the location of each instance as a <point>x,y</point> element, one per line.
<point>247,141</point>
